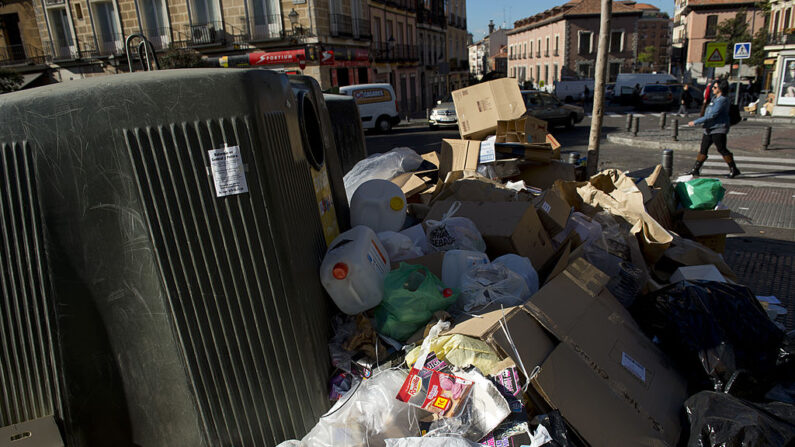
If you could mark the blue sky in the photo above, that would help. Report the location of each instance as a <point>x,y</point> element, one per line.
<point>505,12</point>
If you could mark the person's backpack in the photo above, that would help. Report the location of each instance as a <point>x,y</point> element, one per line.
<point>734,114</point>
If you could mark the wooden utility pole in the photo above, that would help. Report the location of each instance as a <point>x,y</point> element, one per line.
<point>599,88</point>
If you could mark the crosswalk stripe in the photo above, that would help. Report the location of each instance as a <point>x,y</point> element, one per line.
<point>765,175</point>
<point>766,159</point>
<point>775,168</point>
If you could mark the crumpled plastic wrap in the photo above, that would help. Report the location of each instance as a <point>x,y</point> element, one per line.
<point>399,246</point>
<point>462,352</point>
<point>366,416</point>
<point>487,284</point>
<point>384,166</point>
<point>721,420</point>
<point>453,233</point>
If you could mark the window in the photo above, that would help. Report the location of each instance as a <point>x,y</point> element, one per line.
<point>775,22</point>
<point>614,70</point>
<point>409,34</point>
<point>546,49</point>
<point>557,40</point>
<point>538,47</point>
<point>787,13</point>
<point>61,30</point>
<point>712,26</point>
<point>616,41</point>
<point>538,72</point>
<point>584,70</point>
<point>531,49</point>
<point>555,71</point>
<point>585,42</point>
<point>377,29</point>
<point>106,27</point>
<point>524,51</point>
<point>546,73</point>
<point>204,13</point>
<point>265,19</point>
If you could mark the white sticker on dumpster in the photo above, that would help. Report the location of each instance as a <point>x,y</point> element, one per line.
<point>487,153</point>
<point>229,174</point>
<point>634,367</point>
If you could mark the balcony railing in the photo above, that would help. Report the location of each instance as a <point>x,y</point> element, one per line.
<point>159,37</point>
<point>60,52</point>
<point>781,39</point>
<point>556,53</point>
<point>266,27</point>
<point>205,34</point>
<point>362,30</point>
<point>546,53</point>
<point>538,53</point>
<point>408,5</point>
<point>110,45</point>
<point>21,55</point>
<point>341,25</point>
<point>395,52</point>
<point>426,16</point>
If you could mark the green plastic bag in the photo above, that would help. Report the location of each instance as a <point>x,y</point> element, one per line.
<point>411,295</point>
<point>700,193</point>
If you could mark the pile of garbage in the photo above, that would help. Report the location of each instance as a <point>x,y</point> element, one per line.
<point>490,295</point>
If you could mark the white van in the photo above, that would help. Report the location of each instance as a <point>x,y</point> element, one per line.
<point>571,90</point>
<point>377,104</point>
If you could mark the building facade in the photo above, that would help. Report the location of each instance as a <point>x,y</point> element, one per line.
<point>456,39</point>
<point>696,24</point>
<point>781,38</point>
<point>654,39</point>
<point>561,42</point>
<point>483,52</point>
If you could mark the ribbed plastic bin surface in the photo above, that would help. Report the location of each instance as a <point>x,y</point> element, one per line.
<point>348,133</point>
<point>151,311</point>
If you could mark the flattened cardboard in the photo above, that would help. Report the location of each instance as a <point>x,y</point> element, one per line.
<point>480,106</point>
<point>540,152</point>
<point>458,155</point>
<point>552,140</point>
<point>432,261</point>
<point>709,223</point>
<point>410,184</point>
<point>544,176</point>
<point>506,227</point>
<point>595,365</point>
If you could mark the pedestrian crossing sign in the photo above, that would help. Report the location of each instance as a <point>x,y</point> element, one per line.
<point>742,50</point>
<point>716,54</point>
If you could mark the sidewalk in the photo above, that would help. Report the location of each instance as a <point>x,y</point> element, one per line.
<point>742,137</point>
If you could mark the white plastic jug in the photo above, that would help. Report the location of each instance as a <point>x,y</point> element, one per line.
<point>353,270</point>
<point>457,262</point>
<point>380,205</point>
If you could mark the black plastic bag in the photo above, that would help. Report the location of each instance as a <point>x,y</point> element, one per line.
<point>715,332</point>
<point>556,426</point>
<point>721,420</point>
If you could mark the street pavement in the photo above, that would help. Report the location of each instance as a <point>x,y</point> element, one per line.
<point>762,200</point>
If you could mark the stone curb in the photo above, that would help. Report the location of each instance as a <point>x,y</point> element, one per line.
<point>770,120</point>
<point>648,144</point>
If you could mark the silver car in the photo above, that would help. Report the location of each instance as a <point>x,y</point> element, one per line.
<point>547,107</point>
<point>443,115</point>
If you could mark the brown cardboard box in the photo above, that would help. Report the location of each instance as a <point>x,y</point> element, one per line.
<point>432,261</point>
<point>410,184</point>
<point>540,152</point>
<point>544,175</point>
<point>527,129</point>
<point>506,227</point>
<point>480,106</point>
<point>553,211</point>
<point>552,140</point>
<point>709,227</point>
<point>591,360</point>
<point>458,155</point>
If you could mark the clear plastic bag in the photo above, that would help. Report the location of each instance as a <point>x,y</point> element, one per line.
<point>399,246</point>
<point>521,266</point>
<point>384,166</point>
<point>491,284</point>
<point>447,441</point>
<point>452,233</point>
<point>366,416</point>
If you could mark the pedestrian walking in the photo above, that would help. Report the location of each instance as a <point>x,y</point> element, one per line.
<point>684,101</point>
<point>716,125</point>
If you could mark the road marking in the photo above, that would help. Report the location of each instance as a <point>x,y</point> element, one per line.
<point>766,159</point>
<point>737,193</point>
<point>752,175</point>
<point>775,168</point>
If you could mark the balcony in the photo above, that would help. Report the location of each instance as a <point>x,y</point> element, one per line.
<point>556,53</point>
<point>408,5</point>
<point>21,55</point>
<point>204,34</point>
<point>362,30</point>
<point>341,25</point>
<point>395,52</point>
<point>425,16</point>
<point>59,52</point>
<point>546,53</point>
<point>266,27</point>
<point>780,39</point>
<point>110,45</point>
<point>538,53</point>
<point>159,37</point>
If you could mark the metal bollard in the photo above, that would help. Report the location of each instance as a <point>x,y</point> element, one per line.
<point>675,130</point>
<point>635,126</point>
<point>668,161</point>
<point>663,118</point>
<point>629,122</point>
<point>766,137</point>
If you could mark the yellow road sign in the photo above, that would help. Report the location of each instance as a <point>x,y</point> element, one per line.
<point>716,54</point>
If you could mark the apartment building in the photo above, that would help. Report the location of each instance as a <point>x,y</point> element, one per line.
<point>20,44</point>
<point>561,42</point>
<point>456,40</point>
<point>654,31</point>
<point>483,52</point>
<point>696,24</point>
<point>781,38</point>
<point>395,51</point>
<point>432,29</point>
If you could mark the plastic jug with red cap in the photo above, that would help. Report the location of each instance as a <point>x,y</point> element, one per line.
<point>353,270</point>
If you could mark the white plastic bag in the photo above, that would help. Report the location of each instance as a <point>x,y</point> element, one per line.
<point>452,233</point>
<point>446,441</point>
<point>399,246</point>
<point>491,283</point>
<point>521,266</point>
<point>366,416</point>
<point>384,166</point>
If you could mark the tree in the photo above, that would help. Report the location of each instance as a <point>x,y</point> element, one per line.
<point>648,55</point>
<point>10,80</point>
<point>180,58</point>
<point>732,31</point>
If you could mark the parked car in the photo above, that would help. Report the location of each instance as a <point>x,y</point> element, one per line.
<point>443,114</point>
<point>571,90</point>
<point>377,104</point>
<point>547,107</point>
<point>656,95</point>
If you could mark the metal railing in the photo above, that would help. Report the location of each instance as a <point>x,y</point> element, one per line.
<point>21,55</point>
<point>556,53</point>
<point>266,27</point>
<point>425,16</point>
<point>202,34</point>
<point>58,52</point>
<point>546,53</point>
<point>781,39</point>
<point>341,25</point>
<point>110,45</point>
<point>395,52</point>
<point>538,53</point>
<point>160,38</point>
<point>408,5</point>
<point>362,29</point>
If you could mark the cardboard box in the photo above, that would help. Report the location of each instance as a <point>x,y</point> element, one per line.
<point>410,184</point>
<point>553,211</point>
<point>480,106</point>
<point>506,227</point>
<point>458,155</point>
<point>540,152</point>
<point>527,129</point>
<point>552,140</point>
<point>544,175</point>
<point>592,361</point>
<point>709,227</point>
<point>432,261</point>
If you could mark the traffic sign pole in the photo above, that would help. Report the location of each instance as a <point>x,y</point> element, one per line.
<point>737,92</point>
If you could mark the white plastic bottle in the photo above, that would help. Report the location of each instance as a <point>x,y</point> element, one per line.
<point>353,270</point>
<point>380,205</point>
<point>457,262</point>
